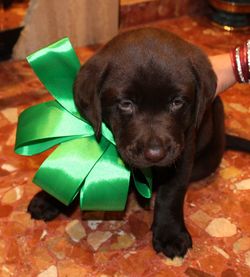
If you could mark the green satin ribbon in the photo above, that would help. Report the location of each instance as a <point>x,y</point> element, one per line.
<point>79,164</point>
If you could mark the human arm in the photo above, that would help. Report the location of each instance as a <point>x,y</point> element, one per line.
<point>222,66</point>
<point>232,67</point>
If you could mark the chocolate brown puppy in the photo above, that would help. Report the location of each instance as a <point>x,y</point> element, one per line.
<point>156,92</point>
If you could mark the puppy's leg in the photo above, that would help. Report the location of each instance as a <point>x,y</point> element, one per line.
<point>170,235</point>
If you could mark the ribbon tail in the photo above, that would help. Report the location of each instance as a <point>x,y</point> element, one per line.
<point>106,186</point>
<point>63,172</point>
<point>144,183</point>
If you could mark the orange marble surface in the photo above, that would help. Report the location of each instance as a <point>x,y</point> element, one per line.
<point>217,209</point>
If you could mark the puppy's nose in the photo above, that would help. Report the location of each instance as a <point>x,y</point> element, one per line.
<point>155,151</point>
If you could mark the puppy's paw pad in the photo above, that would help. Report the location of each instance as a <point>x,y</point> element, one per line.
<point>42,206</point>
<point>174,245</point>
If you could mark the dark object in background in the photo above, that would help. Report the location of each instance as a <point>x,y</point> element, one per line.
<point>231,14</point>
<point>10,28</point>
<point>8,39</point>
<point>6,3</point>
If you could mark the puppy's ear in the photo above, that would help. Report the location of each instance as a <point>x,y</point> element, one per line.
<point>87,89</point>
<point>206,84</point>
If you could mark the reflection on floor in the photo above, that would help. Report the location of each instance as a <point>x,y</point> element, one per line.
<point>217,209</point>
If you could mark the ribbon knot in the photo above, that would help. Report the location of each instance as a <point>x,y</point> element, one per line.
<point>79,164</point>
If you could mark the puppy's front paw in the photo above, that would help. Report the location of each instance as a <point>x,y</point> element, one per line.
<point>171,243</point>
<point>43,206</point>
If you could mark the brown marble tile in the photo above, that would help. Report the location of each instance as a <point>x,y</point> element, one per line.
<point>119,244</point>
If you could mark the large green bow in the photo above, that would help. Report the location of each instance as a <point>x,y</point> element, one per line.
<point>79,163</point>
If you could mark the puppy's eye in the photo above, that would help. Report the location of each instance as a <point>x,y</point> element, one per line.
<point>176,104</point>
<point>126,106</point>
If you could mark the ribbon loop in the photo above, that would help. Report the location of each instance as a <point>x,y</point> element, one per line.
<point>45,125</point>
<point>56,66</point>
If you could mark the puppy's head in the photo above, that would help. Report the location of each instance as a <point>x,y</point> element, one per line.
<point>150,87</point>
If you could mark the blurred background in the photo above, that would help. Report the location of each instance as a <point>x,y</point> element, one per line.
<point>26,25</point>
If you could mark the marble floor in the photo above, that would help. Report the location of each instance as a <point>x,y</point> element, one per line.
<point>217,209</point>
